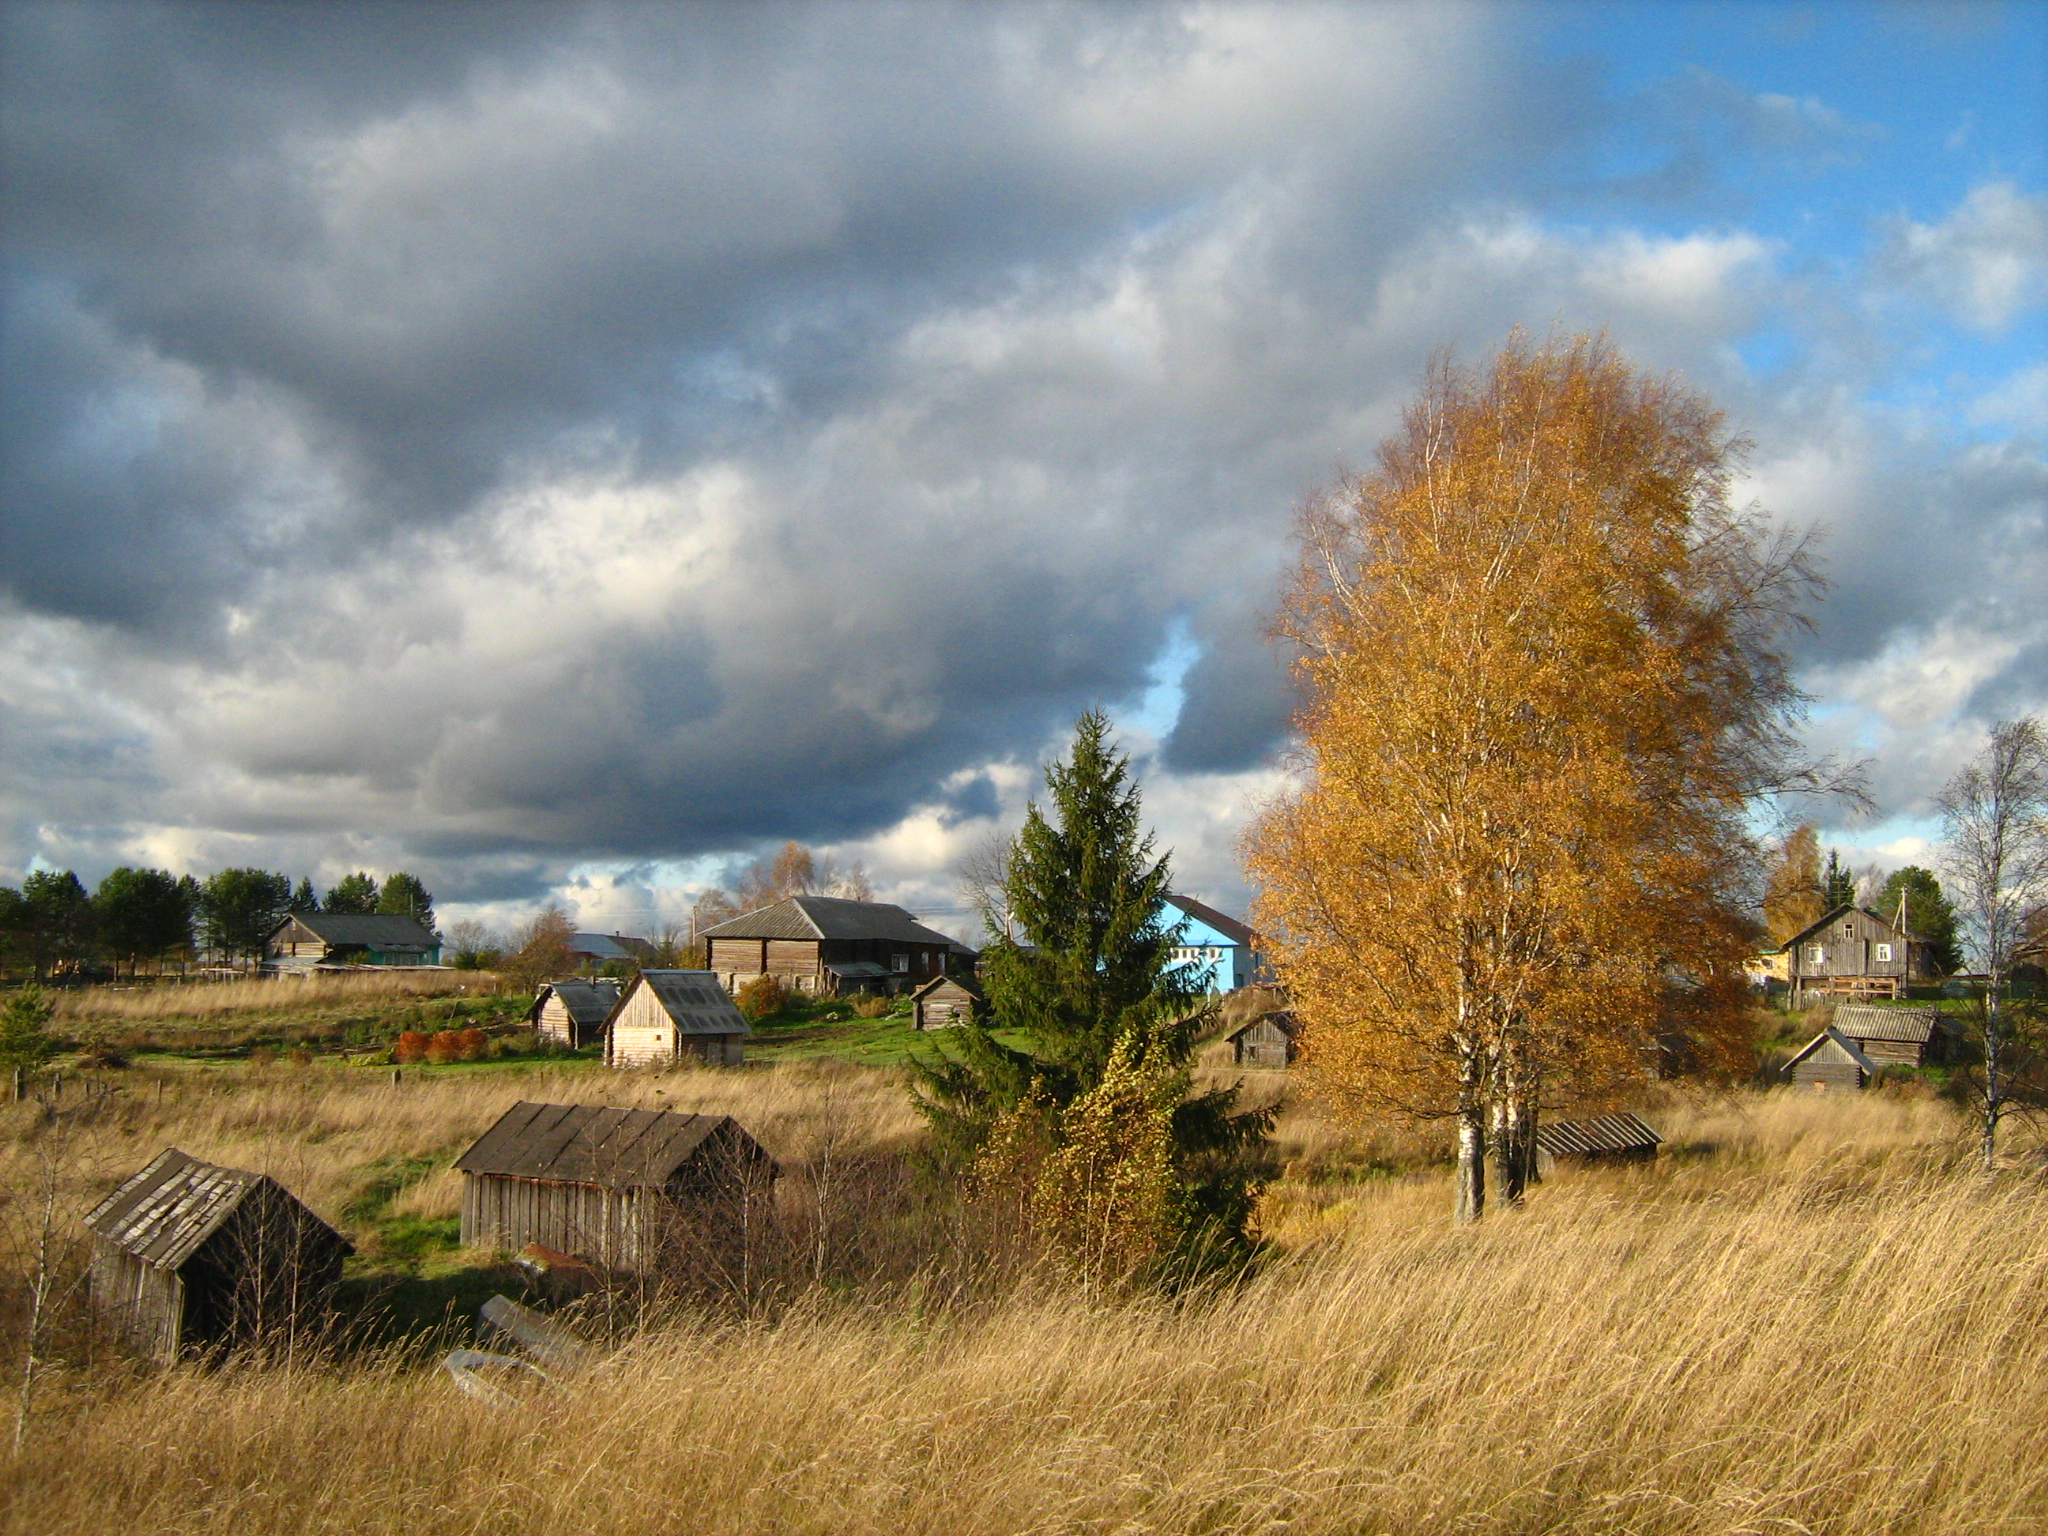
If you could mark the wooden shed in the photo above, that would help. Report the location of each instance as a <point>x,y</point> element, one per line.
<point>572,1011</point>
<point>1266,1041</point>
<point>668,1017</point>
<point>1603,1139</point>
<point>945,1001</point>
<point>187,1256</point>
<point>1895,1037</point>
<point>630,1189</point>
<point>1831,1060</point>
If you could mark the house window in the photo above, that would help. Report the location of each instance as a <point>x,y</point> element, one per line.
<point>1884,953</point>
<point>900,963</point>
<point>1815,955</point>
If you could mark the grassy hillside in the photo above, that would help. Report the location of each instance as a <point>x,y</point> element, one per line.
<point>1808,1316</point>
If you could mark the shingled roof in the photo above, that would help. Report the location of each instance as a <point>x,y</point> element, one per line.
<point>1863,1021</point>
<point>164,1214</point>
<point>595,1144</point>
<point>827,917</point>
<point>1603,1133</point>
<point>1855,1054</point>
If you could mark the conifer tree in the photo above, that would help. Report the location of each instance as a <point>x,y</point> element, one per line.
<point>355,894</point>
<point>1837,886</point>
<point>1081,958</point>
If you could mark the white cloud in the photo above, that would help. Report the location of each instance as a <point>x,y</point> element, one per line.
<point>1987,261</point>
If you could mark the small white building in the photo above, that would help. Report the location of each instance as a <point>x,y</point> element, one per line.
<point>669,1017</point>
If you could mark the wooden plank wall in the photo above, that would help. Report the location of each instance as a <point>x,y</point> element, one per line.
<point>145,1305</point>
<point>572,1218</point>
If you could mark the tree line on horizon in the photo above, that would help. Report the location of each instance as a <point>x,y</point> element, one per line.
<point>52,926</point>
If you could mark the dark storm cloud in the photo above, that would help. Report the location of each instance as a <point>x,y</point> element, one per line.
<point>504,435</point>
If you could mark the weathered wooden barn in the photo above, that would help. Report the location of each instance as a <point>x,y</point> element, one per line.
<point>187,1257</point>
<point>1602,1139</point>
<point>1831,1060</point>
<point>628,1189</point>
<point>572,1011</point>
<point>314,941</point>
<point>1857,954</point>
<point>945,1001</point>
<point>1266,1041</point>
<point>828,945</point>
<point>1895,1037</point>
<point>667,1017</point>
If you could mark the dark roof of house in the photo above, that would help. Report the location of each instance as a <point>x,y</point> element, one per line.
<point>596,1144</point>
<point>1237,932</point>
<point>1604,1133</point>
<point>350,930</point>
<point>695,1000</point>
<point>589,1003</point>
<point>827,917</point>
<point>610,946</point>
<point>1863,1021</point>
<point>1821,922</point>
<point>1848,1045</point>
<point>163,1214</point>
<point>971,988</point>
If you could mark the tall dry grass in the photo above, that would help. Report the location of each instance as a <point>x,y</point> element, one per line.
<point>212,1000</point>
<point>1809,1316</point>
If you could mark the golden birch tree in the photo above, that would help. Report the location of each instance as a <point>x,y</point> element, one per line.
<point>1542,683</point>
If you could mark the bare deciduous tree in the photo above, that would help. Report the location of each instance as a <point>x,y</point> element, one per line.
<point>1995,854</point>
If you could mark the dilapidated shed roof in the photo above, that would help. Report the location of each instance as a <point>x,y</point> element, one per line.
<point>597,1144</point>
<point>1596,1137</point>
<point>1865,1021</point>
<point>1847,1044</point>
<point>164,1214</point>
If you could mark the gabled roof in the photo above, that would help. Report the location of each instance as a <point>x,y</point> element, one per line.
<point>965,984</point>
<point>589,1003</point>
<point>1821,922</point>
<point>1848,1045</point>
<point>827,917</point>
<point>349,930</point>
<point>1202,912</point>
<point>595,1144</point>
<point>610,946</point>
<point>163,1214</point>
<point>1862,1021</point>
<point>1603,1133</point>
<point>695,1000</point>
<point>1280,1019</point>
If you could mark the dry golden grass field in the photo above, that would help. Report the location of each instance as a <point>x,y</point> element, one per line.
<point>1809,1316</point>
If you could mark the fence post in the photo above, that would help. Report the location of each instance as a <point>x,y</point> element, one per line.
<point>20,1084</point>
<point>394,1077</point>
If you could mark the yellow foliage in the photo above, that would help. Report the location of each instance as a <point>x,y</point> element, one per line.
<point>1540,694</point>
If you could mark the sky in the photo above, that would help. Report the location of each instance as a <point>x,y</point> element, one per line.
<point>565,450</point>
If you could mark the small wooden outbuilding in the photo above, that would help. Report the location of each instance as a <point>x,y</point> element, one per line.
<point>668,1017</point>
<point>572,1011</point>
<point>1831,1060</point>
<point>187,1256</point>
<point>1603,1139</point>
<point>945,1001</point>
<point>1266,1041</point>
<point>629,1189</point>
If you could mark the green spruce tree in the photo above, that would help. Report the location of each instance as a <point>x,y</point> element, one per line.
<point>1838,886</point>
<point>1082,964</point>
<point>1928,914</point>
<point>25,1039</point>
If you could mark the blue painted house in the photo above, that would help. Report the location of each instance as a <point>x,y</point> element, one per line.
<point>1209,938</point>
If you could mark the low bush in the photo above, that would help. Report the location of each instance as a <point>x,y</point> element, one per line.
<point>872,1005</point>
<point>763,998</point>
<point>410,1049</point>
